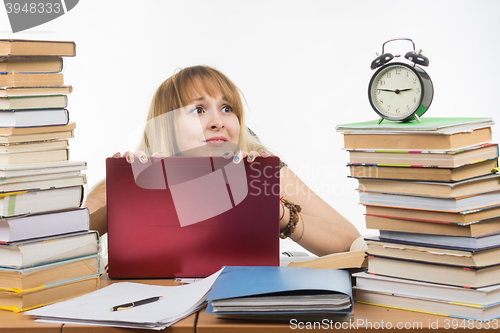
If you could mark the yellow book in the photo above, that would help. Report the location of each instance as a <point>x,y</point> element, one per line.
<point>18,302</point>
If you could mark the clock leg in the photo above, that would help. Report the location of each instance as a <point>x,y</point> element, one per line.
<point>380,120</point>
<point>416,117</point>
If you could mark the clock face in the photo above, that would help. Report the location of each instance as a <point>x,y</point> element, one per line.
<point>396,91</point>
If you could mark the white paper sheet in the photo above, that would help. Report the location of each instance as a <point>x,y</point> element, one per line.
<point>94,308</point>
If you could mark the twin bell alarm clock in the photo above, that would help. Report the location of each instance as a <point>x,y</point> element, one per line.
<point>400,90</point>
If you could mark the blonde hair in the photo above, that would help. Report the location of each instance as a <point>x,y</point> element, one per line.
<point>178,91</point>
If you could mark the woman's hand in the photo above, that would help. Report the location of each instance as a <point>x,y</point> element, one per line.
<point>250,156</point>
<point>140,155</point>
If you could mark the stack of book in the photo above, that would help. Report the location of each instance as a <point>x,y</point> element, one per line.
<point>47,253</point>
<point>432,190</point>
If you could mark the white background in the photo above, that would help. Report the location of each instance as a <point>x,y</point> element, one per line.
<point>303,66</point>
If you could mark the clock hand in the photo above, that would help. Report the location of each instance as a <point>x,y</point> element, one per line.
<point>397,91</point>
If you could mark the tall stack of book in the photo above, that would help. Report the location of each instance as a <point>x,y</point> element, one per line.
<point>47,253</point>
<point>433,191</point>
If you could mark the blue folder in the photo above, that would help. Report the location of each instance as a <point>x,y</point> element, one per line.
<point>241,281</point>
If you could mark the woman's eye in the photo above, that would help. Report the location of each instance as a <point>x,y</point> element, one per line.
<point>197,110</point>
<point>227,108</point>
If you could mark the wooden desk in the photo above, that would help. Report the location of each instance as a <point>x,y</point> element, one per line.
<point>366,318</point>
<point>17,322</point>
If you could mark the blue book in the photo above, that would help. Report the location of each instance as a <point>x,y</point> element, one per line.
<point>272,292</point>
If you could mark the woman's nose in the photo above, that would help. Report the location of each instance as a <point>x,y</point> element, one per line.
<point>215,121</point>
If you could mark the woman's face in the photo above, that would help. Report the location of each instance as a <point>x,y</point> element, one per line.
<point>209,122</point>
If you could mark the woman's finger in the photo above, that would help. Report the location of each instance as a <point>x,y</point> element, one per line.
<point>228,154</point>
<point>158,154</point>
<point>265,154</point>
<point>117,155</point>
<point>238,158</point>
<point>252,155</point>
<point>129,156</point>
<point>141,156</point>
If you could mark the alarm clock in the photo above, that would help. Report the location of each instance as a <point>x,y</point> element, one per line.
<point>400,90</point>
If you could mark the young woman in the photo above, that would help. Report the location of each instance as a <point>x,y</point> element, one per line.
<point>198,111</point>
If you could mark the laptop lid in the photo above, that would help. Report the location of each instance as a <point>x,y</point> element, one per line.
<point>189,216</point>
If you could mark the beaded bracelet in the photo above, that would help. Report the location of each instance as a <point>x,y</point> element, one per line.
<point>282,215</point>
<point>294,219</point>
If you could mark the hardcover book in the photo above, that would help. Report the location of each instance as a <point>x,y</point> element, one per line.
<point>440,255</point>
<point>461,276</point>
<point>43,184</point>
<point>24,157</point>
<point>451,205</point>
<point>32,65</point>
<point>461,218</point>
<point>6,132</point>
<point>418,141</point>
<point>34,118</point>
<point>33,169</point>
<point>44,276</point>
<point>447,308</point>
<point>424,174</point>
<point>35,91</point>
<point>33,146</point>
<point>31,226</point>
<point>33,102</point>
<point>40,297</point>
<point>385,284</point>
<point>434,227</point>
<point>472,243</point>
<point>427,125</point>
<point>39,201</point>
<point>482,184</point>
<point>36,48</point>
<point>425,158</point>
<point>14,79</point>
<point>28,253</point>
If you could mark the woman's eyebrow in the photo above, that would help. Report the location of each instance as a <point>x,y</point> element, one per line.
<point>202,98</point>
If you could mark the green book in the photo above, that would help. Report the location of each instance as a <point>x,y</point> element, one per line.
<point>426,125</point>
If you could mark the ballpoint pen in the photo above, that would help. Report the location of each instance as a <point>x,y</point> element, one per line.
<point>136,303</point>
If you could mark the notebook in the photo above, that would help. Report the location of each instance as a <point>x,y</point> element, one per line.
<point>190,216</point>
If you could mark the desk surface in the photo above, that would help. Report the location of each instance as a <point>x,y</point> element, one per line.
<point>16,322</point>
<point>366,318</point>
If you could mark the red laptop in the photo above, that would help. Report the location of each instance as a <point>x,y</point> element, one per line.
<point>189,216</point>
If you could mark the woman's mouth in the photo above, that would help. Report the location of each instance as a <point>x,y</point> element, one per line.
<point>216,141</point>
